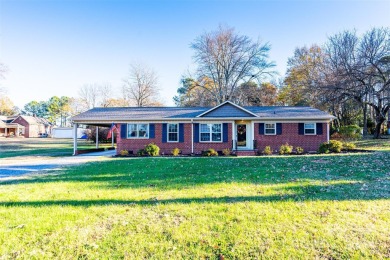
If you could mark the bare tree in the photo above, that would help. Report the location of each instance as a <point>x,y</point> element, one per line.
<point>89,94</point>
<point>105,94</point>
<point>229,59</point>
<point>360,68</point>
<point>141,86</point>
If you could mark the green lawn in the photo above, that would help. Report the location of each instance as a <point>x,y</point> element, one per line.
<point>372,144</point>
<point>324,207</point>
<point>12,147</point>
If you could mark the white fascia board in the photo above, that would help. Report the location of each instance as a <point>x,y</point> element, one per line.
<point>224,103</point>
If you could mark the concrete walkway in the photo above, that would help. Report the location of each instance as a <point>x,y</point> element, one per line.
<point>21,166</point>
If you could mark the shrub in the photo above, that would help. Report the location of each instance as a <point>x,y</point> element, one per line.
<point>226,151</point>
<point>351,132</point>
<point>333,146</point>
<point>210,152</point>
<point>324,148</point>
<point>349,146</point>
<point>267,150</point>
<point>336,136</point>
<point>299,150</point>
<point>141,152</point>
<point>152,149</point>
<point>176,151</point>
<point>124,152</point>
<point>285,149</point>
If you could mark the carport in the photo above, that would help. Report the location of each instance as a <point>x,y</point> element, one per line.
<point>93,124</point>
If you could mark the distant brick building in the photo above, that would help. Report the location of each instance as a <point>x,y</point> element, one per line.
<point>27,126</point>
<point>243,130</point>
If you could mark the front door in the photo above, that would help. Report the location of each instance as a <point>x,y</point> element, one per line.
<point>241,136</point>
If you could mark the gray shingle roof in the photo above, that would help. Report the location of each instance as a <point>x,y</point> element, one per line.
<point>288,112</point>
<point>115,114</point>
<point>134,113</point>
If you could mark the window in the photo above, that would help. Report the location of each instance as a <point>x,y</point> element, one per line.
<point>137,131</point>
<point>270,129</point>
<point>211,132</point>
<point>173,132</point>
<point>310,129</point>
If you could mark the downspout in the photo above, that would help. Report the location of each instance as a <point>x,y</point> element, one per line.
<point>192,136</point>
<point>327,132</point>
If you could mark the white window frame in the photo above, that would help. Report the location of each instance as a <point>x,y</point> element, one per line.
<point>138,137</point>
<point>265,129</point>
<point>173,132</point>
<point>315,128</point>
<point>210,132</point>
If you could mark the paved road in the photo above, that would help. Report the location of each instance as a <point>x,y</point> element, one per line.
<point>17,167</point>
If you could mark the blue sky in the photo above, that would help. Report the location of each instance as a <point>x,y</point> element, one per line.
<point>55,47</point>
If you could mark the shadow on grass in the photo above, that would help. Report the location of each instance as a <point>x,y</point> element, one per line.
<point>336,192</point>
<point>163,174</point>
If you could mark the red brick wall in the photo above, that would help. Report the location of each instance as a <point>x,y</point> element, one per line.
<point>199,147</point>
<point>290,135</point>
<point>166,148</point>
<point>29,131</point>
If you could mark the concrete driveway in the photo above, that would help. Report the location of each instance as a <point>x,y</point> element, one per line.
<point>15,167</point>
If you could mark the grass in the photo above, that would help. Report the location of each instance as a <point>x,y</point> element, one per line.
<point>12,147</point>
<point>325,207</point>
<point>374,144</point>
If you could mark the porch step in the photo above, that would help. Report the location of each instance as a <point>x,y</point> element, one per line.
<point>246,152</point>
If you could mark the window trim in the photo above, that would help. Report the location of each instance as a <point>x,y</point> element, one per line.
<point>265,128</point>
<point>178,136</point>
<point>315,128</point>
<point>211,133</point>
<point>137,137</point>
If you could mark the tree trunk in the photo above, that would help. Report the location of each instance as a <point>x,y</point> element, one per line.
<point>365,130</point>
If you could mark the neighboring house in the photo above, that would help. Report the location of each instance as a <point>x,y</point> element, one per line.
<point>244,130</point>
<point>27,126</point>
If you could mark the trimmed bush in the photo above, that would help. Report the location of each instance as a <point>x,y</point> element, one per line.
<point>210,152</point>
<point>175,151</point>
<point>333,146</point>
<point>285,149</point>
<point>348,146</point>
<point>267,150</point>
<point>299,150</point>
<point>124,152</point>
<point>152,149</point>
<point>226,151</point>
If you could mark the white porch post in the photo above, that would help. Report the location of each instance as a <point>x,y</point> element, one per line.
<point>74,139</point>
<point>233,136</point>
<point>6,131</point>
<point>17,130</point>
<point>97,137</point>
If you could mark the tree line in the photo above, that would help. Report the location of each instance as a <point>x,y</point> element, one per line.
<point>348,76</point>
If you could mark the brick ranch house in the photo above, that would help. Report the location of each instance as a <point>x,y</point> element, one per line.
<point>26,126</point>
<point>244,130</point>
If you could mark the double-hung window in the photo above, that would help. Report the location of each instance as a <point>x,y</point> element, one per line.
<point>211,132</point>
<point>270,129</point>
<point>173,132</point>
<point>138,131</point>
<point>310,128</point>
